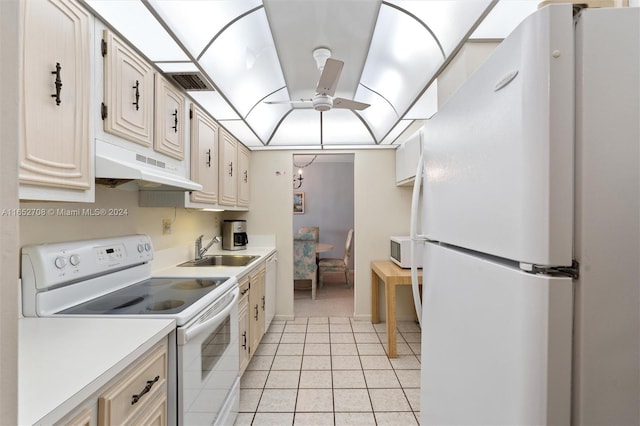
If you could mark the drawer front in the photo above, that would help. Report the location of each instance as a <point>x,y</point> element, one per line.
<point>127,398</point>
<point>155,414</point>
<point>244,289</point>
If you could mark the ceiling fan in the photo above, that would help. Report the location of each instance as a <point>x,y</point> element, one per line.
<point>323,100</point>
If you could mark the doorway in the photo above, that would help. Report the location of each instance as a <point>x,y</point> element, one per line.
<point>325,196</point>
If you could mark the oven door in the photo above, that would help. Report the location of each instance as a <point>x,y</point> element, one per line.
<point>208,362</point>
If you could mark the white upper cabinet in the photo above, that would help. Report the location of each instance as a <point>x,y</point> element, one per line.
<point>407,157</point>
<point>204,156</point>
<point>169,119</point>
<point>234,172</point>
<point>244,158</point>
<point>128,92</point>
<point>228,173</point>
<point>55,149</point>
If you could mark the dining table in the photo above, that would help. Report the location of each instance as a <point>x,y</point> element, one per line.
<point>323,247</point>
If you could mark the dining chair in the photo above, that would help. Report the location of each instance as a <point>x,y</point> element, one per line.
<point>338,265</point>
<point>315,230</point>
<point>304,259</point>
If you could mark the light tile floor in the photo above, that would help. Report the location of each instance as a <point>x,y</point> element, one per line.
<point>332,371</point>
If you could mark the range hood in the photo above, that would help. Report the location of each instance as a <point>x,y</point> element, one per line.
<point>123,168</point>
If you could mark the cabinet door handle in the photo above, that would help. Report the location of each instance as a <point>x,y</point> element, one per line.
<point>146,389</point>
<point>256,315</point>
<point>263,303</point>
<point>208,157</point>
<point>58,83</point>
<point>246,176</point>
<point>243,292</point>
<point>231,169</point>
<point>244,340</point>
<point>137,95</point>
<point>175,121</point>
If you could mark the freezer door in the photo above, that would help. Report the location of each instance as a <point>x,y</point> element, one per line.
<point>496,343</point>
<point>499,153</point>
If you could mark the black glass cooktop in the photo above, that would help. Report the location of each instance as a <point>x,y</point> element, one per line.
<point>152,296</point>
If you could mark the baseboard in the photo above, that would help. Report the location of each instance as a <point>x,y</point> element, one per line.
<point>362,317</point>
<point>284,318</point>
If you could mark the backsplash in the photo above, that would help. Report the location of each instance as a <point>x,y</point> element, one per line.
<point>115,212</point>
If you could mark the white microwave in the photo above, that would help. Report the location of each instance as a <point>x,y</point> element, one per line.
<point>401,252</point>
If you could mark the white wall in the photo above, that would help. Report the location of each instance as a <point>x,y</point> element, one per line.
<point>147,220</point>
<point>381,209</point>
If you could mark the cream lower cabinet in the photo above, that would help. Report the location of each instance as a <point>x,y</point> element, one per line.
<point>256,306</point>
<point>251,312</point>
<point>55,148</point>
<point>243,327</point>
<point>136,396</point>
<point>83,417</point>
<point>204,156</point>
<point>139,395</point>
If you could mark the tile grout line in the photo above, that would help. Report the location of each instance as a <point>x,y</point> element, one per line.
<point>358,352</point>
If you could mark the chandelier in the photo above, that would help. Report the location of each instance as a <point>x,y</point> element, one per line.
<point>297,181</point>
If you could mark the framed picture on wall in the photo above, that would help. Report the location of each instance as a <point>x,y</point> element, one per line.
<point>298,202</point>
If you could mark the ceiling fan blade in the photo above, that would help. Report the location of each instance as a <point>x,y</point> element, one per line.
<point>349,104</point>
<point>329,77</point>
<point>288,102</point>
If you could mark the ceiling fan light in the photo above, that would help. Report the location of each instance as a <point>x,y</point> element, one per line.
<point>321,55</point>
<point>322,103</point>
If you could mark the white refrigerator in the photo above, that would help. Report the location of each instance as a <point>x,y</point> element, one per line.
<point>530,220</point>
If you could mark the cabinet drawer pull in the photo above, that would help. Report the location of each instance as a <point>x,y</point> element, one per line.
<point>243,292</point>
<point>146,389</point>
<point>175,121</point>
<point>137,95</point>
<point>58,83</point>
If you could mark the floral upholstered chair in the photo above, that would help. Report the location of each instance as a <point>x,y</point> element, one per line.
<point>313,229</point>
<point>316,234</point>
<point>304,259</point>
<point>338,265</point>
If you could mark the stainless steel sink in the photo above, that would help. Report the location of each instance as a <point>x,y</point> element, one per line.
<point>222,260</point>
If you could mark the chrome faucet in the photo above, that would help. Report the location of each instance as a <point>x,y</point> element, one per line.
<point>200,251</point>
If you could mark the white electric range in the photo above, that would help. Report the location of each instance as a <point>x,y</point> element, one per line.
<point>112,277</point>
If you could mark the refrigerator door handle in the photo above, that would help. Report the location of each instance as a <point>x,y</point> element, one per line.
<point>415,238</point>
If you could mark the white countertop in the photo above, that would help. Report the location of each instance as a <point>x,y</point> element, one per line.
<point>63,361</point>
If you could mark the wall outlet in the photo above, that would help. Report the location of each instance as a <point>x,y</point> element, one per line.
<point>166,226</point>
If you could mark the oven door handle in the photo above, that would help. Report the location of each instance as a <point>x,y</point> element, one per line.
<point>214,317</point>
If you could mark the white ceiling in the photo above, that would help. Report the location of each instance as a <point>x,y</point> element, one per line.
<point>252,51</point>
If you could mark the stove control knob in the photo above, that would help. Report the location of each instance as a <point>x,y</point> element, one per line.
<point>74,259</point>
<point>60,262</point>
<point>140,248</point>
<point>147,247</point>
